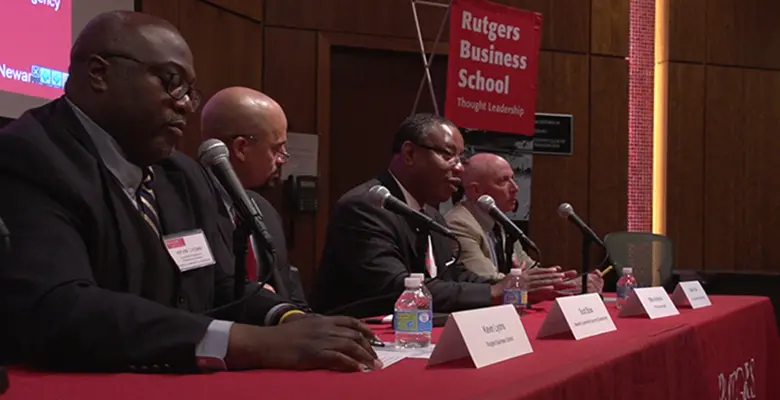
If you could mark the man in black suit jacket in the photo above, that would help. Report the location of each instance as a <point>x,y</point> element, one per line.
<point>254,127</point>
<point>95,196</point>
<point>369,251</point>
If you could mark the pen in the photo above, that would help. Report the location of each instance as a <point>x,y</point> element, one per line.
<point>606,270</point>
<point>376,342</point>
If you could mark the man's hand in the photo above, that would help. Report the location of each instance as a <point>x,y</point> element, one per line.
<point>314,342</point>
<point>540,282</point>
<point>574,286</point>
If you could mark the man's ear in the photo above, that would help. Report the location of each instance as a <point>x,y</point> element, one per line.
<point>407,152</point>
<point>238,147</point>
<point>97,73</point>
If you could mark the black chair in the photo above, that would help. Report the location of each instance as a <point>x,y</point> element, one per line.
<point>644,253</point>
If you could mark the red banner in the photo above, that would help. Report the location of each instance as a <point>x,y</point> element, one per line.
<point>493,64</point>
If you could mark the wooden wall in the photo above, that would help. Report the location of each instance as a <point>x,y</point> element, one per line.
<point>305,53</point>
<point>723,204</point>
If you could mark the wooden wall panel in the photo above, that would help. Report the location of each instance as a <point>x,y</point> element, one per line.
<point>610,31</point>
<point>743,33</point>
<point>249,8</point>
<point>565,27</point>
<point>723,166</point>
<point>165,9</point>
<point>563,88</point>
<point>687,30</point>
<point>290,77</point>
<point>608,147</point>
<point>685,164</point>
<point>229,56</point>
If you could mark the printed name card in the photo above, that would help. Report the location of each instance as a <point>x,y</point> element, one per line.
<point>653,301</point>
<point>584,315</point>
<point>690,294</point>
<point>486,335</point>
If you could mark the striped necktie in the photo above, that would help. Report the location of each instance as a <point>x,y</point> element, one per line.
<point>146,201</point>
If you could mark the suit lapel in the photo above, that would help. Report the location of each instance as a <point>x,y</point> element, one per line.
<point>418,243</point>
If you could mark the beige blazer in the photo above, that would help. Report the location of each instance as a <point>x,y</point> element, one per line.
<point>472,226</point>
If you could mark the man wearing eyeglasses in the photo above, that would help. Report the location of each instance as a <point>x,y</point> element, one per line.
<point>118,258</point>
<point>254,127</point>
<point>369,251</point>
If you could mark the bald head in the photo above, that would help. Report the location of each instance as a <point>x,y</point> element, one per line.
<point>133,74</point>
<point>487,173</point>
<point>121,32</point>
<point>254,127</point>
<point>241,111</point>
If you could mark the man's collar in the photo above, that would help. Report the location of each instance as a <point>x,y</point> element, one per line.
<point>128,174</point>
<point>408,198</point>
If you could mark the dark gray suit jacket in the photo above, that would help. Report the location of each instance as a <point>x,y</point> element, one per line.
<point>369,251</point>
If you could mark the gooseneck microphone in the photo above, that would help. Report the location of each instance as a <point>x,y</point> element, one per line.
<point>215,155</point>
<point>488,205</point>
<point>380,196</point>
<point>566,211</point>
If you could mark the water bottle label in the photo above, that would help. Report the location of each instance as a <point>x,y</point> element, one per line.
<point>516,297</point>
<point>414,321</point>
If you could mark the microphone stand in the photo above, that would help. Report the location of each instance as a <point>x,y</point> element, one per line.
<point>586,242</point>
<point>265,256</point>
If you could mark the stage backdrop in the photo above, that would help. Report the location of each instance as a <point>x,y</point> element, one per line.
<point>493,64</point>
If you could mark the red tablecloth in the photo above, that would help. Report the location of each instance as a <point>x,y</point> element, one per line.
<point>719,352</point>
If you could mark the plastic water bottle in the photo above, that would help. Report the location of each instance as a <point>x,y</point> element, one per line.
<point>515,291</point>
<point>413,316</point>
<point>425,290</point>
<point>625,285</point>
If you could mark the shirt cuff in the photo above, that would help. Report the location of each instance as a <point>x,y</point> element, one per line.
<point>212,349</point>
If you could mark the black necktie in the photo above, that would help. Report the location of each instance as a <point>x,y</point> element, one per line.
<point>498,237</point>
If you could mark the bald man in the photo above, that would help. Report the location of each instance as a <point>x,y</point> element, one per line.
<point>254,127</point>
<point>485,250</point>
<point>120,261</point>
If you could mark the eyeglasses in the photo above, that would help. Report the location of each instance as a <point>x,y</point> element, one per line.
<point>174,84</point>
<point>451,159</point>
<point>279,152</point>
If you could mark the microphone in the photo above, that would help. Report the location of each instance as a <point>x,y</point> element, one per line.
<point>381,197</point>
<point>214,154</point>
<point>488,205</point>
<point>565,210</point>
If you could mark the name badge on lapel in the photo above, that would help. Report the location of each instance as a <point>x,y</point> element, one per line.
<point>189,250</point>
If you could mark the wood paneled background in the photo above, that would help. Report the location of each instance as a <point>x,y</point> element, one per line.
<point>723,204</point>
<point>347,70</point>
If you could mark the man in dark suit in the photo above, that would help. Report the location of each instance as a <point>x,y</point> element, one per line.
<point>369,251</point>
<point>254,127</point>
<point>118,261</point>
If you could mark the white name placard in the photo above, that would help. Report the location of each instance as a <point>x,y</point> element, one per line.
<point>486,335</point>
<point>653,301</point>
<point>584,315</point>
<point>690,294</point>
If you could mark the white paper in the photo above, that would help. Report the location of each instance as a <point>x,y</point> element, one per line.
<point>653,301</point>
<point>389,358</point>
<point>692,294</point>
<point>303,149</point>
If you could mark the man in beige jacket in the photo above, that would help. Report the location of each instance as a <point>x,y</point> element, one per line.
<point>483,241</point>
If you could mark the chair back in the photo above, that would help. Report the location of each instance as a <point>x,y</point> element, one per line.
<point>649,255</point>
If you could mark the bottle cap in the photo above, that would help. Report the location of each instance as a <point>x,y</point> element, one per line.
<point>412,282</point>
<point>516,272</point>
<point>628,270</point>
<point>419,275</point>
